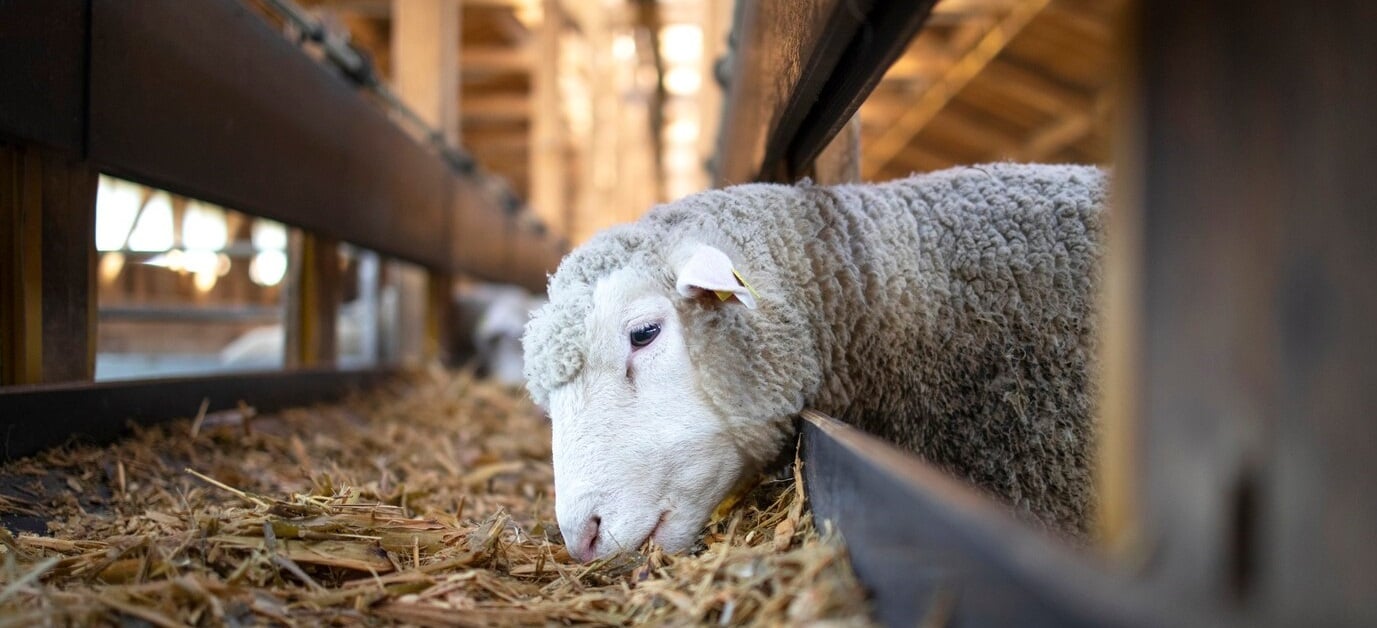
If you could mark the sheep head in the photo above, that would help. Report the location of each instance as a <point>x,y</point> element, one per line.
<point>652,398</point>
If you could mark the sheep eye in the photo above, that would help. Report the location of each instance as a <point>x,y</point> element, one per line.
<point>644,335</point>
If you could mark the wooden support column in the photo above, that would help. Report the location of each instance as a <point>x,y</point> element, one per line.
<point>47,292</point>
<point>21,293</point>
<point>425,57</point>
<point>439,313</point>
<point>425,60</point>
<point>1253,387</point>
<point>840,161</point>
<point>313,301</point>
<point>548,154</point>
<point>951,82</point>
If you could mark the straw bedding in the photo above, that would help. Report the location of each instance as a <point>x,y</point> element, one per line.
<point>428,502</point>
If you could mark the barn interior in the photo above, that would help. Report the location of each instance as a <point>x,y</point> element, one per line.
<point>266,265</point>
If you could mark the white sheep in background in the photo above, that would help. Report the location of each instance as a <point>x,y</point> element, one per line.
<point>487,330</point>
<point>951,313</point>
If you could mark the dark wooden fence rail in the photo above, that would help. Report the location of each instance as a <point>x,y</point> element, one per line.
<point>205,99</point>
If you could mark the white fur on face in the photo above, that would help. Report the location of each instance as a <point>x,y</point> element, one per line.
<point>638,450</point>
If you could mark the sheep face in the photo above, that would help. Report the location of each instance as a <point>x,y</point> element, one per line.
<point>640,450</point>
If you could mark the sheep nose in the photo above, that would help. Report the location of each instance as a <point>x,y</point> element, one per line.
<point>585,542</point>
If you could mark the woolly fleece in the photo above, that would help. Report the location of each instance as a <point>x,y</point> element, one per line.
<point>951,313</point>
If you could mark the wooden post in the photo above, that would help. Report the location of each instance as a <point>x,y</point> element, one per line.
<point>1254,383</point>
<point>425,57</point>
<point>548,158</point>
<point>439,306</point>
<point>313,301</point>
<point>21,225</point>
<point>425,60</point>
<point>840,161</point>
<point>47,296</point>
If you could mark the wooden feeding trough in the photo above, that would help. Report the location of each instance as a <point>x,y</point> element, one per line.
<point>1236,478</point>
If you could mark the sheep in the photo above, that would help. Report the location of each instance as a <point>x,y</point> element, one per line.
<point>951,313</point>
<point>486,327</point>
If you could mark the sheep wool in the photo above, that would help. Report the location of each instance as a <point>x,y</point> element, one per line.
<point>951,313</point>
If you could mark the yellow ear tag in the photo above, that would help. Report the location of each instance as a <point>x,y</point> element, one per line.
<point>723,295</point>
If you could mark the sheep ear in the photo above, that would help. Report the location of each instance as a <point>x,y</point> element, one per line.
<point>709,271</point>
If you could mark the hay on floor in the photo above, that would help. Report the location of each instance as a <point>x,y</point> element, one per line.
<point>428,502</point>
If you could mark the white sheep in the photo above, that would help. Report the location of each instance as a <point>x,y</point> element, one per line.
<point>951,313</point>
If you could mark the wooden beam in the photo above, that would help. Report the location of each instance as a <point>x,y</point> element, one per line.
<point>1063,132</point>
<point>491,59</point>
<point>69,269</point>
<point>548,153</point>
<point>497,143</point>
<point>496,108</point>
<point>425,60</point>
<point>313,300</point>
<point>936,97</point>
<point>1254,383</point>
<point>969,132</point>
<point>48,291</point>
<point>327,159</point>
<point>934,551</point>
<point>917,157</point>
<point>439,312</point>
<point>840,162</point>
<point>21,261</point>
<point>1034,88</point>
<point>823,58</point>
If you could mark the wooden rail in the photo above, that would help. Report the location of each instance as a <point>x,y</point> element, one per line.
<point>935,551</point>
<point>798,72</point>
<point>206,100</point>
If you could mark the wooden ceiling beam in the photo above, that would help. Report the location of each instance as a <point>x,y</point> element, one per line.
<point>488,59</point>
<point>1065,131</point>
<point>918,157</point>
<point>976,136</point>
<point>503,108</point>
<point>936,97</point>
<point>1034,88</point>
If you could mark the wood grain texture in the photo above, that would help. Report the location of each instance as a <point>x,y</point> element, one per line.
<point>1256,379</point>
<point>934,551</point>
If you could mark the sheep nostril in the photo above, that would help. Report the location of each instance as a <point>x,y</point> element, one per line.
<point>587,543</point>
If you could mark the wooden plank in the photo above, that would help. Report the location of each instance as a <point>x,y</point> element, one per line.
<point>1255,382</point>
<point>934,551</point>
<point>936,97</point>
<point>47,299</point>
<point>291,141</point>
<point>1033,88</point>
<point>313,300</point>
<point>823,57</point>
<point>1065,131</point>
<point>21,261</point>
<point>494,59</point>
<point>69,269</point>
<point>548,153</point>
<point>43,72</point>
<point>425,61</point>
<point>876,44</point>
<point>840,162</point>
<point>34,418</point>
<point>439,313</point>
<point>294,142</point>
<point>496,108</point>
